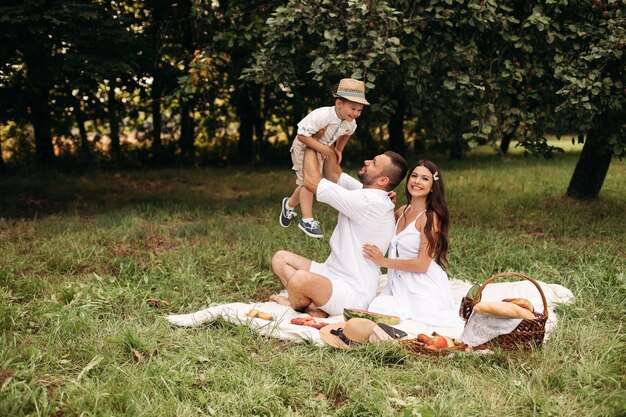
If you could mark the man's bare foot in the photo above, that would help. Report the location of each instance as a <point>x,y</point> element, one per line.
<point>279,299</point>
<point>316,312</point>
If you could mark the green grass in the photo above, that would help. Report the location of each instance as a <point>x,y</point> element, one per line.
<point>83,259</point>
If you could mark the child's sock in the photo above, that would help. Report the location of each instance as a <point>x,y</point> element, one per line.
<point>308,219</point>
<point>287,206</point>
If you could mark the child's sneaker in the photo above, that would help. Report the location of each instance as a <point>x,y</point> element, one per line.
<point>286,214</point>
<point>311,228</point>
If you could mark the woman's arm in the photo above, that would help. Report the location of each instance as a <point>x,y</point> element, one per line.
<point>399,212</point>
<point>419,264</point>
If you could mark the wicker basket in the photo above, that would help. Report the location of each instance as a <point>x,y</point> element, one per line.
<point>528,334</point>
<point>419,348</point>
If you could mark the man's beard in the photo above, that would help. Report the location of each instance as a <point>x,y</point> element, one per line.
<point>365,179</point>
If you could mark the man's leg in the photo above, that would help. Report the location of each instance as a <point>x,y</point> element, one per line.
<point>305,289</point>
<point>285,263</point>
<point>308,290</point>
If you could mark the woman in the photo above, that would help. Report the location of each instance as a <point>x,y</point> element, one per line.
<point>417,286</point>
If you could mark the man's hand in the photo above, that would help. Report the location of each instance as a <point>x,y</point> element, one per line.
<point>319,134</point>
<point>327,152</point>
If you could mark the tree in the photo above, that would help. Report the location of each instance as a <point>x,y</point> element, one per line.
<point>52,56</point>
<point>239,27</point>
<point>590,62</point>
<point>308,47</point>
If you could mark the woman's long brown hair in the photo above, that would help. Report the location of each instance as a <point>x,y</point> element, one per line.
<point>435,203</point>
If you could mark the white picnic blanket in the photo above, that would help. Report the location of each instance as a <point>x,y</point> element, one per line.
<point>282,328</point>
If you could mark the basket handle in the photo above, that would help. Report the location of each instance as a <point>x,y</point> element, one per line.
<point>513,274</point>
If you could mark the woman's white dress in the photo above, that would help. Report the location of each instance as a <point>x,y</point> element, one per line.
<point>424,297</point>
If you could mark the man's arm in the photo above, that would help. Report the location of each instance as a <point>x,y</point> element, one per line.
<point>332,169</point>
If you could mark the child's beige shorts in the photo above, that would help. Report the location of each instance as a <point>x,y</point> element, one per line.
<point>297,158</point>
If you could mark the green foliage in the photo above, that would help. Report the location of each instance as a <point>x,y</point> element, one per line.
<point>226,81</point>
<point>590,62</point>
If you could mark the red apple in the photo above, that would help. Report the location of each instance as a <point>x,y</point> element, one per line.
<point>440,342</point>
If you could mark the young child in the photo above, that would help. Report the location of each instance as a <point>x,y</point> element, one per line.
<point>326,130</point>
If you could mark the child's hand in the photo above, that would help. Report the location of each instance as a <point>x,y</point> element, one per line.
<point>338,153</point>
<point>392,195</point>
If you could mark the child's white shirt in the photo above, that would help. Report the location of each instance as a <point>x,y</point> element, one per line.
<point>325,117</point>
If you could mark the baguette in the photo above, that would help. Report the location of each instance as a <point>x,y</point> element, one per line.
<point>503,309</point>
<point>522,302</point>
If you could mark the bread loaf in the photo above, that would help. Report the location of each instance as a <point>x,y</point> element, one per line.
<point>424,338</point>
<point>522,302</point>
<point>503,309</point>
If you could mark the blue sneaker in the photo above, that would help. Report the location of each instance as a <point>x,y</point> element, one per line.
<point>311,228</point>
<point>286,214</point>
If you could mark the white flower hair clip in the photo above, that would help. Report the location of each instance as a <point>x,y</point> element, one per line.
<point>436,176</point>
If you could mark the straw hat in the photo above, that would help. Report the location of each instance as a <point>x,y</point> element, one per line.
<point>351,89</point>
<point>347,333</point>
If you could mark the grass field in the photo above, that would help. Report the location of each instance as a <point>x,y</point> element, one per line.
<point>90,265</point>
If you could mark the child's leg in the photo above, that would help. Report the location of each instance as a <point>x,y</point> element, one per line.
<point>306,203</point>
<point>294,200</point>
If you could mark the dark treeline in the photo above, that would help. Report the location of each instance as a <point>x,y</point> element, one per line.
<point>203,82</point>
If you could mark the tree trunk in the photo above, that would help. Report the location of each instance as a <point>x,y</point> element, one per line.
<point>259,121</point>
<point>458,145</point>
<point>155,95</point>
<point>40,117</point>
<point>114,124</point>
<point>456,150</point>
<point>396,124</point>
<point>80,121</point>
<point>419,144</point>
<point>506,141</point>
<point>246,115</point>
<point>366,140</point>
<point>3,168</point>
<point>594,161</point>
<point>186,140</point>
<point>161,16</point>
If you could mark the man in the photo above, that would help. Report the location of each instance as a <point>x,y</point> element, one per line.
<point>346,278</point>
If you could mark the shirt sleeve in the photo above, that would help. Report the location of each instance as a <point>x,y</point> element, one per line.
<point>351,202</point>
<point>351,183</point>
<point>311,123</point>
<point>351,128</point>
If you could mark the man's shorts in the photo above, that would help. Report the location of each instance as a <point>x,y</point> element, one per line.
<point>297,158</point>
<point>343,296</point>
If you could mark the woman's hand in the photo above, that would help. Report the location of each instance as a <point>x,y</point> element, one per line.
<point>392,196</point>
<point>372,253</point>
